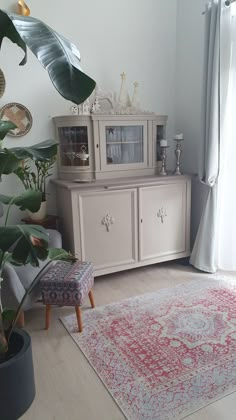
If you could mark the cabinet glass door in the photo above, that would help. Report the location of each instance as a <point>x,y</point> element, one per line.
<point>124,144</point>
<point>74,148</point>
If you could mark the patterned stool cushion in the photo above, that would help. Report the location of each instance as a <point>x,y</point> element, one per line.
<point>67,284</point>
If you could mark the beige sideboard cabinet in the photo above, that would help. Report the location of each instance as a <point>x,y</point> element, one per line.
<point>124,223</point>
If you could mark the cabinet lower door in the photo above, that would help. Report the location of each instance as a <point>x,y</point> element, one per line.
<point>108,227</point>
<point>163,220</point>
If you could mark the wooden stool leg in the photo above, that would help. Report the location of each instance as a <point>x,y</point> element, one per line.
<point>91,299</point>
<point>47,317</point>
<point>21,320</point>
<point>79,318</point>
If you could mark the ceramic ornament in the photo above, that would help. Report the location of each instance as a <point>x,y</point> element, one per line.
<point>135,103</point>
<point>124,100</point>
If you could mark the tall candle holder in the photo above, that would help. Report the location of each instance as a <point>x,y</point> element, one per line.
<point>178,151</point>
<point>163,160</point>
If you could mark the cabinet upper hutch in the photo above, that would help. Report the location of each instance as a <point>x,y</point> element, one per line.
<point>100,146</point>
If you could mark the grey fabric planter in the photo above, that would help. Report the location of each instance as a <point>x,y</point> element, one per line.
<point>17,386</point>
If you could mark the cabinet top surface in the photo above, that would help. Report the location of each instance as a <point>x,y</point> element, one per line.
<point>114,117</point>
<point>121,182</point>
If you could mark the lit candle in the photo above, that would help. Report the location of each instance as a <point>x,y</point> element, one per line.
<point>179,136</point>
<point>163,143</point>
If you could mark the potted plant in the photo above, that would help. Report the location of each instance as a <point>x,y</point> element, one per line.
<point>22,244</point>
<point>19,244</point>
<point>34,178</point>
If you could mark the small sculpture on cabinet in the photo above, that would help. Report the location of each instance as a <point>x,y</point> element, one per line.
<point>123,100</point>
<point>135,103</point>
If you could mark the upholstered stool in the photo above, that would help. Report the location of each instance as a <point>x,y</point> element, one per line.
<point>66,284</point>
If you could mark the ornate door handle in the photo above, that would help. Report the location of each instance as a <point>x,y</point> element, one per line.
<point>162,214</point>
<point>107,221</point>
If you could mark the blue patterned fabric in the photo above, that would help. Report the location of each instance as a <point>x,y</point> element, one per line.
<point>67,284</point>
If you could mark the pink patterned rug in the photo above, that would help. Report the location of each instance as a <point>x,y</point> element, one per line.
<point>164,355</point>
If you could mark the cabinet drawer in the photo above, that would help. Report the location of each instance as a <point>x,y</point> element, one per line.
<point>163,220</point>
<point>108,227</point>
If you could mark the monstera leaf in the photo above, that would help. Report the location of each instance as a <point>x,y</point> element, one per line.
<point>57,55</point>
<point>5,126</point>
<point>28,243</point>
<point>28,200</point>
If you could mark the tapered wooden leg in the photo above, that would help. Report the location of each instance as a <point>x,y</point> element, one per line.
<point>91,299</point>
<point>47,317</point>
<point>79,318</point>
<point>21,320</point>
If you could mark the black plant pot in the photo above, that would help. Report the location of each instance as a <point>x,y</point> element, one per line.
<point>17,386</point>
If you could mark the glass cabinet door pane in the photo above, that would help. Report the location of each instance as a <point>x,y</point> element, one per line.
<point>74,149</point>
<point>124,144</point>
<point>159,136</point>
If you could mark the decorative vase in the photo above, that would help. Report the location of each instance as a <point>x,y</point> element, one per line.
<point>40,214</point>
<point>17,386</point>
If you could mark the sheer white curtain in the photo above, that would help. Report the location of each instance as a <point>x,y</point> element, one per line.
<point>203,254</point>
<point>215,244</point>
<point>226,200</point>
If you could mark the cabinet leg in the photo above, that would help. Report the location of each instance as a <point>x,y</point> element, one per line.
<point>91,298</point>
<point>79,318</point>
<point>47,317</point>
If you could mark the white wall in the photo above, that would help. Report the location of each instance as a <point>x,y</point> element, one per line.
<point>189,73</point>
<point>113,36</point>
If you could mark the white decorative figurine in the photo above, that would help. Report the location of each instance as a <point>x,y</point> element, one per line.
<point>86,107</point>
<point>74,109</point>
<point>123,100</point>
<point>135,103</point>
<point>96,107</point>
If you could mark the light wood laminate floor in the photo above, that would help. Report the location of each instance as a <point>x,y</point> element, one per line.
<point>67,386</point>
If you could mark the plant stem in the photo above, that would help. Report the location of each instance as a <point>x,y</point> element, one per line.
<point>8,210</point>
<point>28,291</point>
<point>1,279</point>
<point>1,260</point>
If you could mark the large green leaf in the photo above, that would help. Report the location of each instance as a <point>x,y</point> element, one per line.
<point>40,151</point>
<point>5,126</point>
<point>8,162</point>
<point>8,315</point>
<point>57,55</point>
<point>28,243</point>
<point>10,159</point>
<point>28,200</point>
<point>59,254</point>
<point>8,30</point>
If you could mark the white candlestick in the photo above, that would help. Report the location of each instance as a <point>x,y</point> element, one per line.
<point>179,136</point>
<point>163,143</point>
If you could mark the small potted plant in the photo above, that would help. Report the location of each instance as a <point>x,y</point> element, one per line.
<point>34,177</point>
